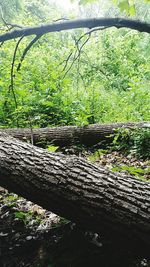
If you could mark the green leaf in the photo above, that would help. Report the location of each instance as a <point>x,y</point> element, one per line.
<point>52,148</point>
<point>20,215</point>
<point>132,10</point>
<point>124,6</point>
<point>84,2</point>
<point>115,2</point>
<point>11,198</point>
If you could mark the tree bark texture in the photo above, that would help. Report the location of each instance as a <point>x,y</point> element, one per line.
<point>76,189</point>
<point>66,135</point>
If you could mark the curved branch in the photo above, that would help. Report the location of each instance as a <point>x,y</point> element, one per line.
<point>11,87</point>
<point>79,49</point>
<point>12,70</point>
<point>27,49</point>
<point>74,24</point>
<point>9,26</point>
<point>76,54</point>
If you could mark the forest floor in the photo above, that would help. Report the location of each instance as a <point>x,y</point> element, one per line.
<point>32,236</point>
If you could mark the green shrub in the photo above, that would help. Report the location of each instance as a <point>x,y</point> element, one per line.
<point>135,141</point>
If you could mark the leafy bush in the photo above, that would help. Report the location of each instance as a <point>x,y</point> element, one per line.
<point>135,141</point>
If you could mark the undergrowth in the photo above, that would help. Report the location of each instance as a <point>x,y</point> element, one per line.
<point>135,141</point>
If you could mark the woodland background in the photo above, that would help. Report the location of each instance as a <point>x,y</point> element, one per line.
<point>65,79</point>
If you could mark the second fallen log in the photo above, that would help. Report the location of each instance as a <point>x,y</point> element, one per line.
<point>67,135</point>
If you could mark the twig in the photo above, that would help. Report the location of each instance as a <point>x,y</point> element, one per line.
<point>12,69</point>
<point>66,61</point>
<point>11,86</point>
<point>79,49</point>
<point>60,19</point>
<point>1,44</point>
<point>9,25</point>
<point>78,67</point>
<point>76,56</point>
<point>27,49</point>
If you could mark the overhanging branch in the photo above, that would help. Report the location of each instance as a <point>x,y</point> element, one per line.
<point>74,24</point>
<point>27,49</point>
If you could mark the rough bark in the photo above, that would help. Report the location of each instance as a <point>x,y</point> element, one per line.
<point>65,135</point>
<point>75,24</point>
<point>76,189</point>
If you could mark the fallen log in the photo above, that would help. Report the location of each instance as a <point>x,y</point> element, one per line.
<point>66,135</point>
<point>76,189</point>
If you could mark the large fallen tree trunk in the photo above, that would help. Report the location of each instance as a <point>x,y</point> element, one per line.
<point>76,189</point>
<point>87,135</point>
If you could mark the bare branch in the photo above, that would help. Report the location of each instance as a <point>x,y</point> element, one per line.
<point>27,49</point>
<point>5,23</point>
<point>61,19</point>
<point>74,24</point>
<point>14,26</point>
<point>12,70</point>
<point>96,29</point>
<point>1,44</point>
<point>78,69</point>
<point>37,37</point>
<point>66,61</point>
<point>11,87</point>
<point>79,49</point>
<point>9,25</point>
<point>76,53</point>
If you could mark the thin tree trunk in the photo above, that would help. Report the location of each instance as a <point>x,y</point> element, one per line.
<point>65,135</point>
<point>76,189</point>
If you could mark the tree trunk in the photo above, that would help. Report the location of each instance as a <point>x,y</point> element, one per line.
<point>76,189</point>
<point>87,135</point>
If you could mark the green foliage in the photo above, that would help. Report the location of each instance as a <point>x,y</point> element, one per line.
<point>97,154</point>
<point>26,217</point>
<point>136,171</point>
<point>84,2</point>
<point>132,170</point>
<point>62,222</point>
<point>135,141</point>
<point>52,148</point>
<point>129,7</point>
<point>109,82</point>
<point>124,5</point>
<point>20,215</point>
<point>10,8</point>
<point>11,198</point>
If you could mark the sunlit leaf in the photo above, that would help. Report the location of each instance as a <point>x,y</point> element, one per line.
<point>124,6</point>
<point>132,10</point>
<point>52,148</point>
<point>115,2</point>
<point>84,2</point>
